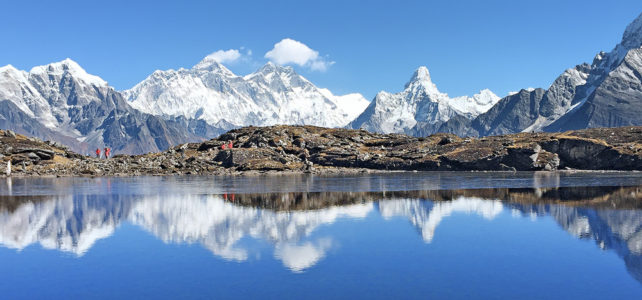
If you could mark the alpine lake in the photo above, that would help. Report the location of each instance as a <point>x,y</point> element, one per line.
<point>407,235</point>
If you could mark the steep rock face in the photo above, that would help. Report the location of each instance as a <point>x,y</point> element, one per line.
<point>512,114</point>
<point>609,93</point>
<point>13,118</point>
<point>605,93</point>
<point>419,105</point>
<point>61,101</point>
<point>272,95</point>
<point>615,101</point>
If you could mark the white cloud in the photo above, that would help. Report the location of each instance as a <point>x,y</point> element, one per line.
<point>289,51</point>
<point>224,56</point>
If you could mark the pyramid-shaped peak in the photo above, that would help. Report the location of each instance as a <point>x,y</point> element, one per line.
<point>421,74</point>
<point>210,63</point>
<point>271,67</point>
<point>421,79</point>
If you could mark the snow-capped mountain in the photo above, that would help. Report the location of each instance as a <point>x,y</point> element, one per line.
<point>272,95</point>
<point>38,92</point>
<point>605,93</point>
<point>420,103</point>
<point>611,94</point>
<point>62,102</point>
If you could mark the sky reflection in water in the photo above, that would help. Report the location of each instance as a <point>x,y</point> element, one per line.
<point>483,236</point>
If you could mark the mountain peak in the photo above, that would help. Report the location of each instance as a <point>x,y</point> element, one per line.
<point>8,67</point>
<point>271,67</point>
<point>632,37</point>
<point>210,63</point>
<point>68,66</point>
<point>422,73</point>
<point>421,78</point>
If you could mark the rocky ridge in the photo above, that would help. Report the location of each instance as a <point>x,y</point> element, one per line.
<point>326,150</point>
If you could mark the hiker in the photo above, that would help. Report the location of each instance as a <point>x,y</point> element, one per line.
<point>223,146</point>
<point>97,152</point>
<point>230,145</point>
<point>107,152</point>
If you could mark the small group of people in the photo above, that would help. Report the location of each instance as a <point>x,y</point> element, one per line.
<point>107,152</point>
<point>227,146</point>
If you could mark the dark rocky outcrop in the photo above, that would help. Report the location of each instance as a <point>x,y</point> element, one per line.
<point>322,150</point>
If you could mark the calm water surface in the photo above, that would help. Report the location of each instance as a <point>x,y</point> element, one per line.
<point>401,235</point>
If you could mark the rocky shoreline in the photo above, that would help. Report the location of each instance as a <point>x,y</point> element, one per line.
<point>309,149</point>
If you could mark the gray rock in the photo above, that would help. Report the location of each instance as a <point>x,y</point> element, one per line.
<point>616,101</point>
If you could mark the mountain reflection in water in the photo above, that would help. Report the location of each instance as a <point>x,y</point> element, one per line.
<point>611,216</point>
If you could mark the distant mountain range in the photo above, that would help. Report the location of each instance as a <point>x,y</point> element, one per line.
<point>606,93</point>
<point>61,102</point>
<point>272,95</point>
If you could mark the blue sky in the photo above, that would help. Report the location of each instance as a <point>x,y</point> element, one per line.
<point>466,45</point>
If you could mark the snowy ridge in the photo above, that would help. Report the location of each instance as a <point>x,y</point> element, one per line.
<point>420,102</point>
<point>43,92</point>
<point>68,66</point>
<point>272,95</point>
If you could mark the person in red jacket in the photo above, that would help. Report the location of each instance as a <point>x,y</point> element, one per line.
<point>97,152</point>
<point>107,152</point>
